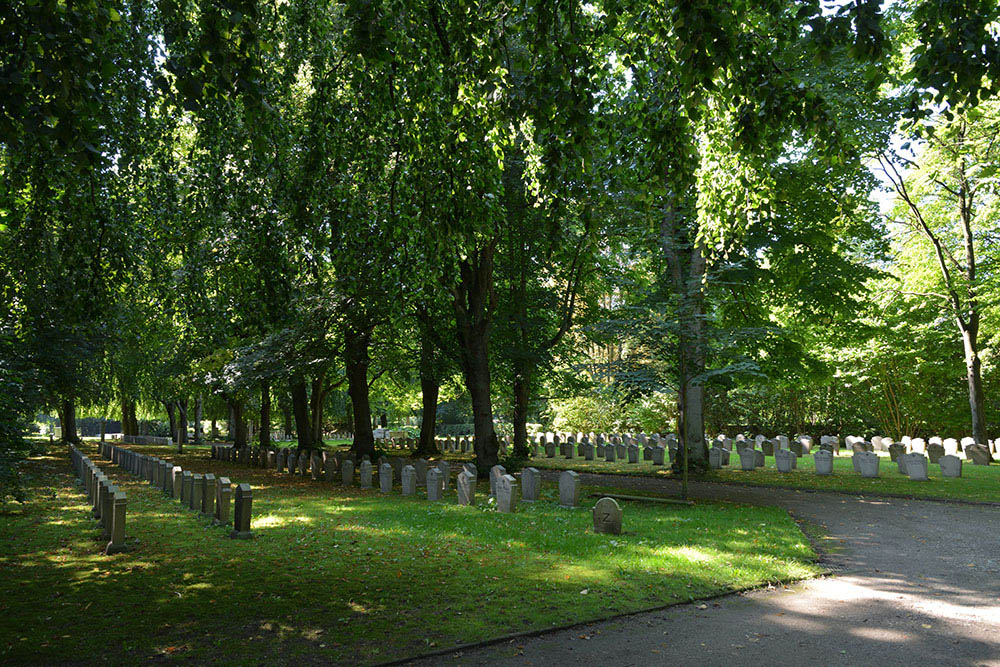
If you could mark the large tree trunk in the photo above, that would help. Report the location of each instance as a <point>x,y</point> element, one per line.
<point>171,407</point>
<point>182,424</point>
<point>474,303</point>
<point>265,414</point>
<point>67,419</point>
<point>429,388</point>
<point>239,424</point>
<point>522,396</point>
<point>973,371</point>
<point>286,414</point>
<point>199,436</point>
<point>300,408</point>
<point>316,401</point>
<point>356,363</point>
<point>231,422</point>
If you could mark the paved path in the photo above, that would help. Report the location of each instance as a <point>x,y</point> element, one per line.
<point>915,583</point>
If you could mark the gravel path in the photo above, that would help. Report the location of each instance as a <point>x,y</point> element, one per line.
<point>915,582</point>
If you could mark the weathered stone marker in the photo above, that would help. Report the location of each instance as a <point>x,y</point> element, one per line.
<point>293,463</point>
<point>176,480</point>
<point>466,487</point>
<point>935,451</point>
<point>823,459</point>
<point>197,487</point>
<point>531,484</point>
<point>433,484</point>
<point>916,466</point>
<point>867,463</point>
<point>409,480</point>
<point>223,496</point>
<point>951,466</point>
<point>506,494</point>
<point>445,469</point>
<point>241,514</point>
<point>208,495</point>
<point>420,465</point>
<point>748,459</point>
<point>185,486</point>
<point>784,459</point>
<point>495,473</point>
<point>569,488</point>
<point>607,517</point>
<point>347,472</point>
<point>385,478</point>
<point>316,466</point>
<point>117,543</point>
<point>366,474</point>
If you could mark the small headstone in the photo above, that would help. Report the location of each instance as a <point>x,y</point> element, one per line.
<point>607,517</point>
<point>824,462</point>
<point>748,460</point>
<point>241,513</point>
<point>420,465</point>
<point>610,453</point>
<point>293,463</point>
<point>531,482</point>
<point>658,452</point>
<point>979,455</point>
<point>784,459</point>
<point>316,466</point>
<point>466,487</point>
<point>951,466</point>
<point>347,472</point>
<point>758,459</point>
<point>935,451</point>
<point>303,463</point>
<point>916,466</point>
<point>117,543</point>
<point>633,453</point>
<point>409,480</point>
<point>385,478</point>
<point>445,469</point>
<point>223,496</point>
<point>715,458</point>
<point>895,450</point>
<point>366,474</point>
<point>569,489</point>
<point>433,484</point>
<point>208,495</point>
<point>197,488</point>
<point>867,463</point>
<point>506,491</point>
<point>495,473</point>
<point>471,469</point>
<point>177,477</point>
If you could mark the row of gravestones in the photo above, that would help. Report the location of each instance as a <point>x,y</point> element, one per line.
<point>108,504</point>
<point>657,454</point>
<point>935,447</point>
<point>146,440</point>
<point>434,479</point>
<point>913,464</point>
<point>202,493</point>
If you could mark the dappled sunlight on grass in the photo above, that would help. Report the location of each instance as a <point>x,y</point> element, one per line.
<point>351,575</point>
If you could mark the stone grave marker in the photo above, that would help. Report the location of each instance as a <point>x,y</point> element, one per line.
<point>784,459</point>
<point>433,484</point>
<point>916,466</point>
<point>531,484</point>
<point>409,480</point>
<point>197,487</point>
<point>824,462</point>
<point>223,497</point>
<point>495,473</point>
<point>347,472</point>
<point>506,492</point>
<point>607,517</point>
<point>208,495</point>
<point>366,474</point>
<point>466,487</point>
<point>867,463</point>
<point>951,466</point>
<point>385,478</point>
<point>241,513</point>
<point>569,489</point>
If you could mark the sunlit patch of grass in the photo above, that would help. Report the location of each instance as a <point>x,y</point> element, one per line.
<point>351,575</point>
<point>978,483</point>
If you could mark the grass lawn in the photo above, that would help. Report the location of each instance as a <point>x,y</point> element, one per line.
<point>349,575</point>
<point>979,483</point>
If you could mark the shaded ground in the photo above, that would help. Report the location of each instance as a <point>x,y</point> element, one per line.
<point>915,582</point>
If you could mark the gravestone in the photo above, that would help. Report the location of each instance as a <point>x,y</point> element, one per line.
<point>610,453</point>
<point>588,451</point>
<point>506,492</point>
<point>569,448</point>
<point>633,453</point>
<point>951,466</point>
<point>795,447</point>
<point>197,487</point>
<point>471,469</point>
<point>531,483</point>
<point>293,463</point>
<point>569,489</point>
<point>366,474</point>
<point>784,459</point>
<point>409,480</point>
<point>901,464</point>
<point>118,506</point>
<point>208,495</point>
<point>420,465</point>
<point>241,513</point>
<point>622,451</point>
<point>658,452</point>
<point>223,496</point>
<point>979,455</point>
<point>445,469</point>
<point>767,446</point>
<point>495,473</point>
<point>867,463</point>
<point>895,450</point>
<point>347,472</point>
<point>331,469</point>
<point>715,458</point>
<point>385,478</point>
<point>607,517</point>
<point>316,466</point>
<point>466,487</point>
<point>186,478</point>
<point>303,463</point>
<point>748,459</point>
<point>433,484</point>
<point>916,466</point>
<point>282,457</point>
<point>177,479</point>
<point>550,450</point>
<point>824,462</point>
<point>934,452</point>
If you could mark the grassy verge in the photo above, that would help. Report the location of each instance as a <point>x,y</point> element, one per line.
<point>349,575</point>
<point>978,483</point>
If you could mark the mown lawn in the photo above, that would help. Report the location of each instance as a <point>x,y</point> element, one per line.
<point>348,575</point>
<point>978,483</point>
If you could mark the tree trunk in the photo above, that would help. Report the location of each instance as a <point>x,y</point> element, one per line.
<point>103,429</point>
<point>300,407</point>
<point>265,415</point>
<point>475,359</point>
<point>67,418</point>
<point>239,424</point>
<point>356,362</point>
<point>973,371</point>
<point>429,388</point>
<point>215,429</point>
<point>286,414</point>
<point>182,423</point>
<point>522,395</point>
<point>316,403</point>
<point>199,436</point>
<point>231,423</point>
<point>172,417</point>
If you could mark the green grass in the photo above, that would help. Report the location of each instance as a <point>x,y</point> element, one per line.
<point>349,575</point>
<point>978,483</point>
